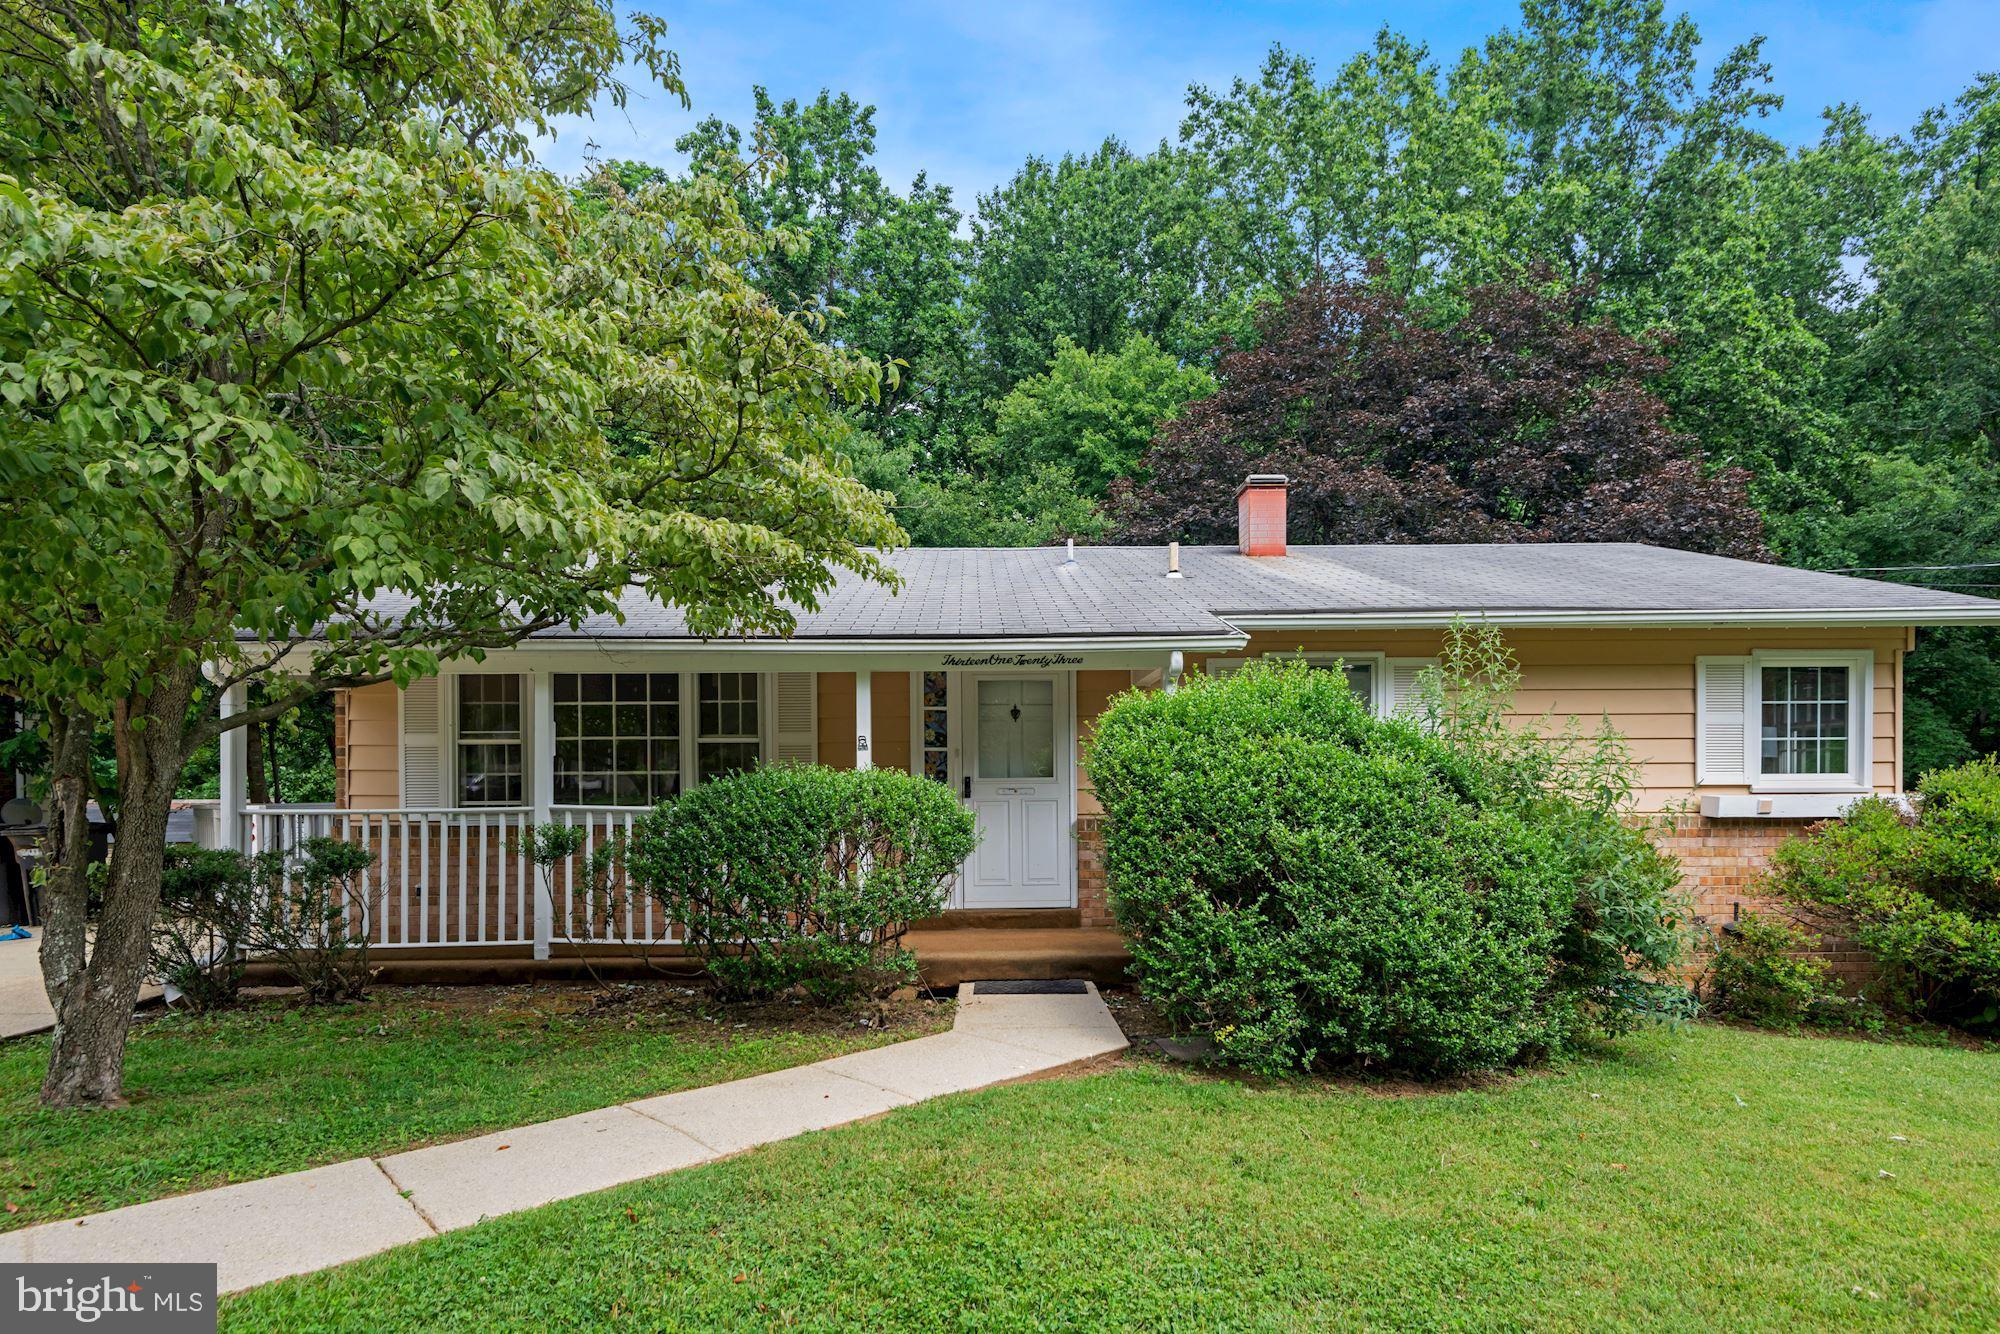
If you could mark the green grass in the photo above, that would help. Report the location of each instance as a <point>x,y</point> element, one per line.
<point>274,1088</point>
<point>1688,1180</point>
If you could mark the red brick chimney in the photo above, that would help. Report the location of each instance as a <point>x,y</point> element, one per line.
<point>1260,515</point>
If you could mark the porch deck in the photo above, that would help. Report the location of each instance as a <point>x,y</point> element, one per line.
<point>450,896</point>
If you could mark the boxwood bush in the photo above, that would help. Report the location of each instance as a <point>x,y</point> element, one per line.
<point>802,876</point>
<point>1312,885</point>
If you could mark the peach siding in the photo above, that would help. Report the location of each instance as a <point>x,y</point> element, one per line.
<point>1643,680</point>
<point>1093,691</point>
<point>369,748</point>
<point>890,713</point>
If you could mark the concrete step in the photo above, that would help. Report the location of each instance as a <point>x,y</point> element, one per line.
<point>947,958</point>
<point>1001,919</point>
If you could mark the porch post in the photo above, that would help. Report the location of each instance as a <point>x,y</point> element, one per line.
<point>1171,679</point>
<point>541,787</point>
<point>864,718</point>
<point>235,774</point>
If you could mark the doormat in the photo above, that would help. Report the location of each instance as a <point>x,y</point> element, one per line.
<point>1059,987</point>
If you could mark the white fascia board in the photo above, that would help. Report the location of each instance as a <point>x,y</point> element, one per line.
<point>612,653</point>
<point>1802,617</point>
<point>1206,643</point>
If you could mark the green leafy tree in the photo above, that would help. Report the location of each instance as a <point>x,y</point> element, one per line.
<point>1093,413</point>
<point>1926,375</point>
<point>1093,249</point>
<point>1582,138</point>
<point>886,269</point>
<point>306,372</point>
<point>979,505</point>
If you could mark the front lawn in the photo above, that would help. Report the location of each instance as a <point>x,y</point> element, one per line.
<point>273,1088</point>
<point>1714,1177</point>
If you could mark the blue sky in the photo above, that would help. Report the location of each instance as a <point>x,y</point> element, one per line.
<point>967,92</point>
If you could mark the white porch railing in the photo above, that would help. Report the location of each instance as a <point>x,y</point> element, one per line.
<point>466,875</point>
<point>616,914</point>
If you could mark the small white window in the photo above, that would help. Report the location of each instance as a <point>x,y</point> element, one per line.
<point>489,740</point>
<point>1785,721</point>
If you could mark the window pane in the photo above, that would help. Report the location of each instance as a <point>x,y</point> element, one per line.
<point>489,706</point>
<point>628,744</point>
<point>490,774</point>
<point>1017,729</point>
<point>1361,680</point>
<point>1805,720</point>
<point>716,758</point>
<point>728,704</point>
<point>565,687</point>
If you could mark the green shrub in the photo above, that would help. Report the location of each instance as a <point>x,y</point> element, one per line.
<point>1631,926</point>
<point>1921,893</point>
<point>311,917</point>
<point>1761,972</point>
<point>802,876</point>
<point>1311,884</point>
<point>207,898</point>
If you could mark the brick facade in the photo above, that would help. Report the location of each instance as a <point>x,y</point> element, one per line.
<point>1091,900</point>
<point>340,748</point>
<point>1721,863</point>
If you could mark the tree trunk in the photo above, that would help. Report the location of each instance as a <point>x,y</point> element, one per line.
<point>94,1000</point>
<point>253,764</point>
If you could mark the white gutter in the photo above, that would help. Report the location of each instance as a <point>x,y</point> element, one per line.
<point>1803,617</point>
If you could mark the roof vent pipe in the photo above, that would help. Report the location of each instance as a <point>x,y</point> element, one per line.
<point>1173,560</point>
<point>1069,551</point>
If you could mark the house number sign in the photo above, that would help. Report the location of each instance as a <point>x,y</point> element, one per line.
<point>1013,660</point>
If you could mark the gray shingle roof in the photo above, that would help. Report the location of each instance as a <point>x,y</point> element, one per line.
<point>1008,593</point>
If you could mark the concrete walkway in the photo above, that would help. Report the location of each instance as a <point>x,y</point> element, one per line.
<point>24,1001</point>
<point>263,1230</point>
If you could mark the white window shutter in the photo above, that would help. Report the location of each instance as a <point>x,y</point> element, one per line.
<point>1402,674</point>
<point>423,743</point>
<point>795,703</point>
<point>1722,702</point>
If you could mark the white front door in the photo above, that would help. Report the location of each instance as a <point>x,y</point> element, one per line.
<point>1018,776</point>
